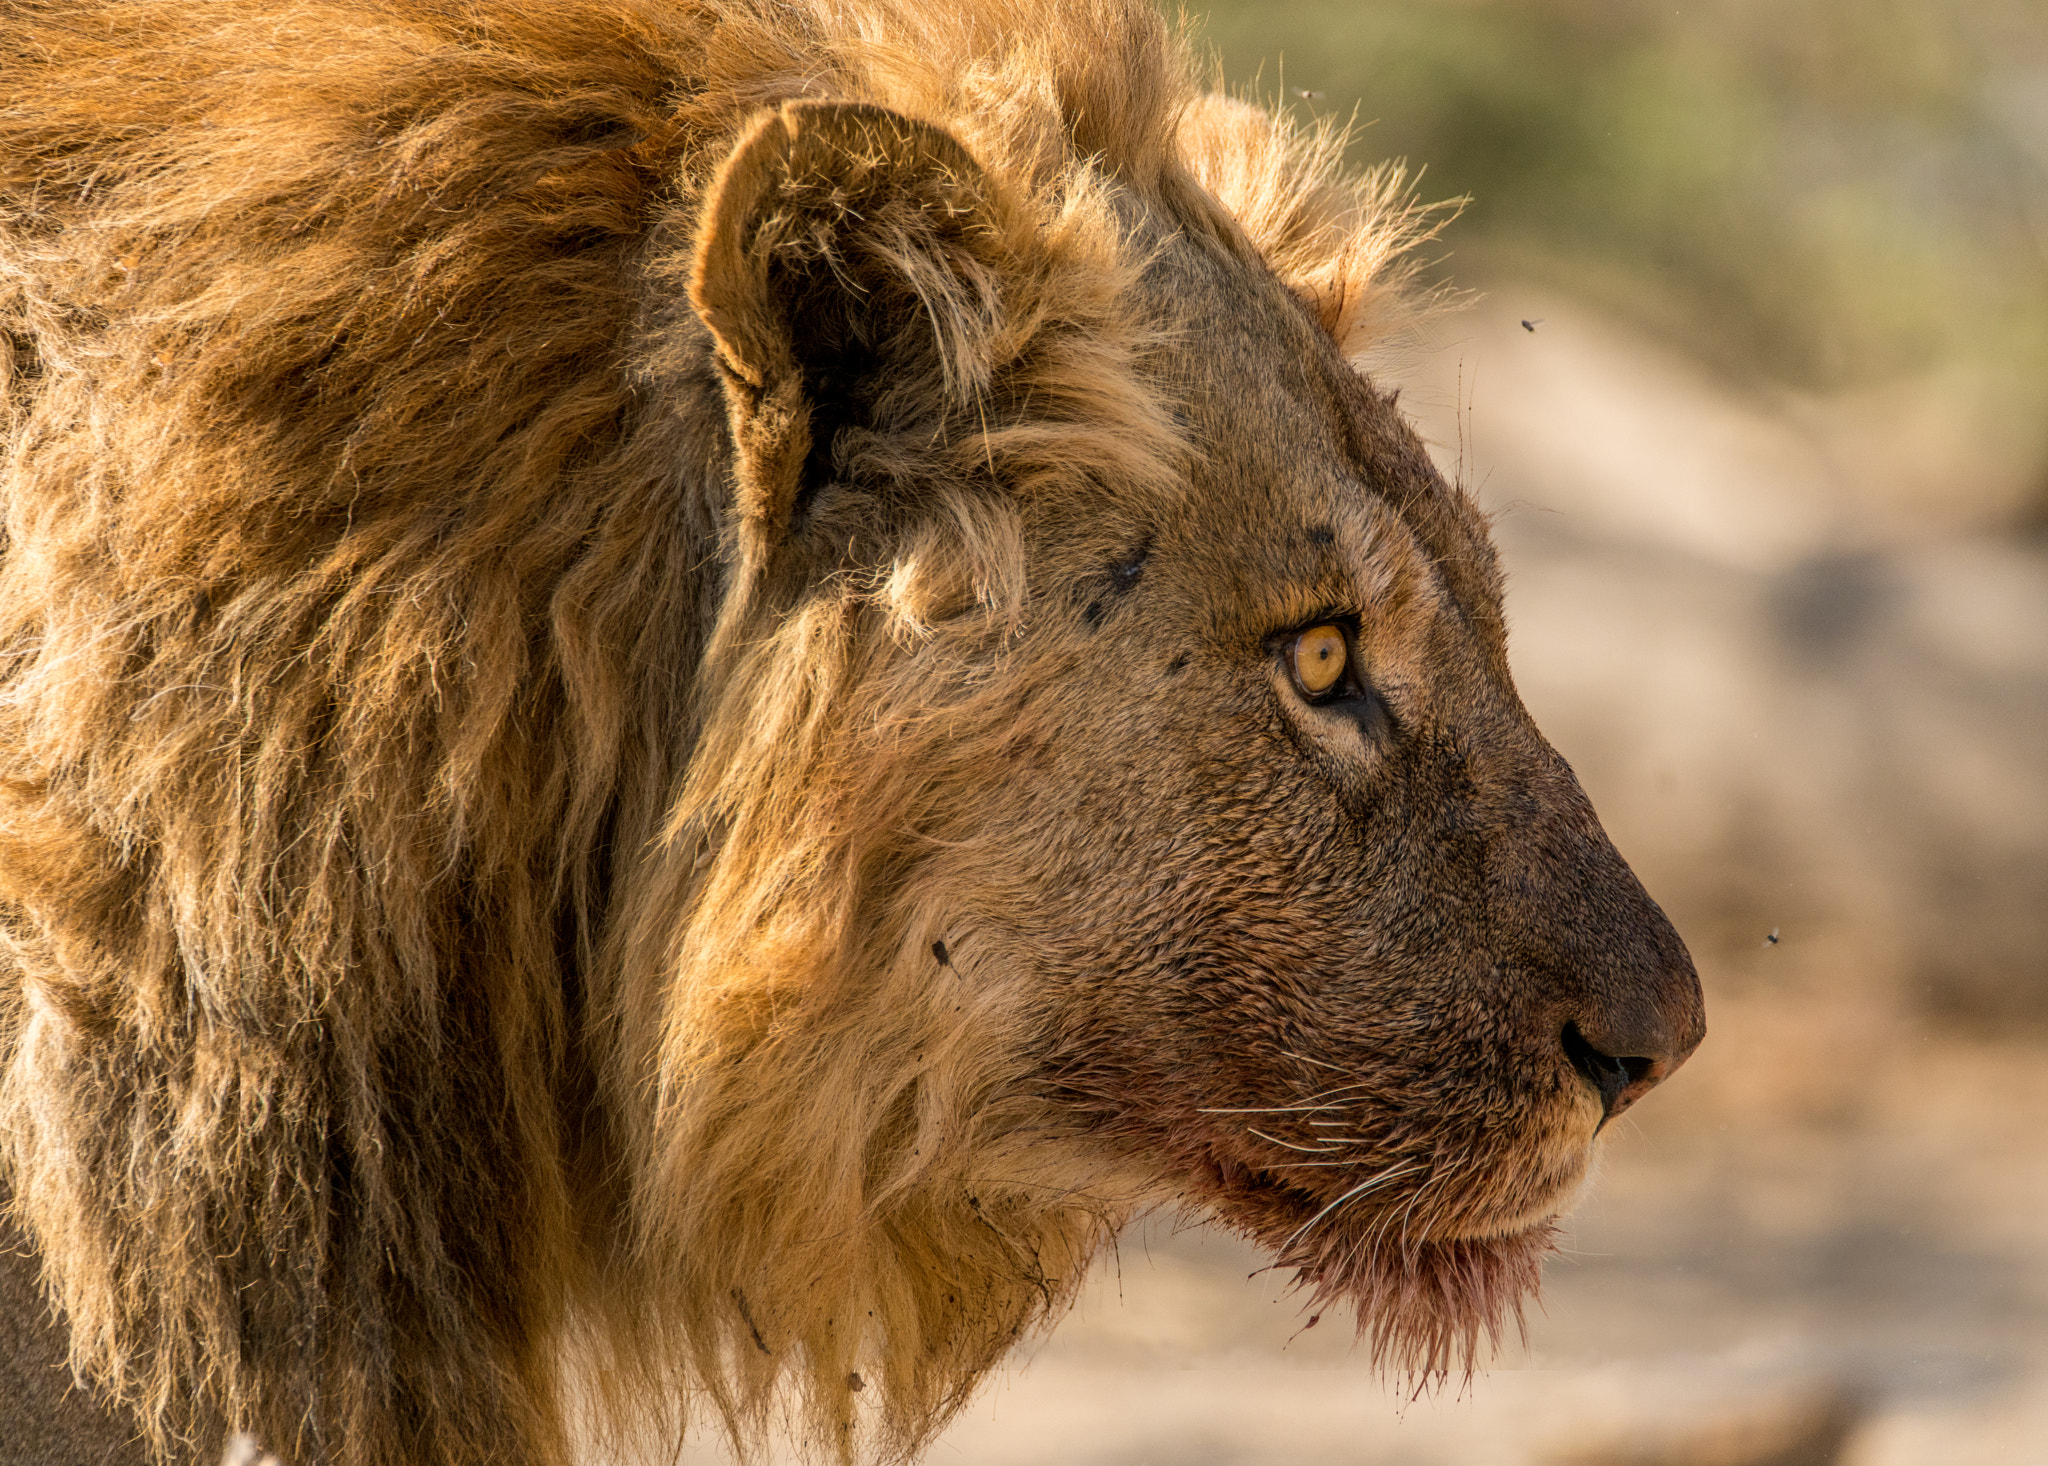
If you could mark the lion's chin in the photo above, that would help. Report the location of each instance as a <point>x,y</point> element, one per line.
<point>1424,1305</point>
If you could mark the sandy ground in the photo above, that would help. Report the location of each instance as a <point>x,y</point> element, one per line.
<point>1804,677</point>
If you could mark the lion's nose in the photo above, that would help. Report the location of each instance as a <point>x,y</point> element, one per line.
<point>1626,1054</point>
<point>1568,907</point>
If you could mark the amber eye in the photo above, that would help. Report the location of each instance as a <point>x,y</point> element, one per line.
<point>1319,656</point>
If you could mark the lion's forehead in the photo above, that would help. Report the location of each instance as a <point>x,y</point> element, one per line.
<point>1306,492</point>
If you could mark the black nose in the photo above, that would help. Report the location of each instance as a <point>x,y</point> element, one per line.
<point>1612,1075</point>
<point>1632,1031</point>
<point>1622,1079</point>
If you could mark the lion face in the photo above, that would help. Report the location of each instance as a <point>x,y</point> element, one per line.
<point>1338,938</point>
<point>1251,882</point>
<point>1328,934</point>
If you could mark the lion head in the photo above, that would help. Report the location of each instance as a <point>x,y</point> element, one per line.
<point>700,690</point>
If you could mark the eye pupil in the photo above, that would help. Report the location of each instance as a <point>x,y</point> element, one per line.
<point>1319,657</point>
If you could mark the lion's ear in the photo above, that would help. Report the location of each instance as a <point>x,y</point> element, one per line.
<point>849,267</point>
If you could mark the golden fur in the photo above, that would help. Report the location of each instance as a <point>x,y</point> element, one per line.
<point>548,577</point>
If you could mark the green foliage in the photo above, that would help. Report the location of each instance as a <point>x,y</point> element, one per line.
<point>1825,192</point>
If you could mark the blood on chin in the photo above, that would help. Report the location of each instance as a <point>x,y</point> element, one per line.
<point>1423,1304</point>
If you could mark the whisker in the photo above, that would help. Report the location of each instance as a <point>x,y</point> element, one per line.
<point>1376,1236</point>
<point>1304,1058</point>
<point>1276,1140</point>
<point>1401,1169</point>
<point>1347,1198</point>
<point>1440,1182</point>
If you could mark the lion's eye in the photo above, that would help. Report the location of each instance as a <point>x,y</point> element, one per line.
<point>1319,655</point>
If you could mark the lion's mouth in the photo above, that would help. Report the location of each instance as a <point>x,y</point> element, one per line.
<point>1423,1301</point>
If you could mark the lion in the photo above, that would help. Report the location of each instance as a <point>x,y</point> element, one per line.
<point>694,687</point>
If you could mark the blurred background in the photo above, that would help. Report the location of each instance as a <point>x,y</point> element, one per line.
<point>1771,473</point>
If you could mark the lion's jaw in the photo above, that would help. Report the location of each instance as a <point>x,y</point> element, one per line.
<point>1436,1266</point>
<point>1436,1255</point>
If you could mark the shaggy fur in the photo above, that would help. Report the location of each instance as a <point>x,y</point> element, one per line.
<point>641,759</point>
